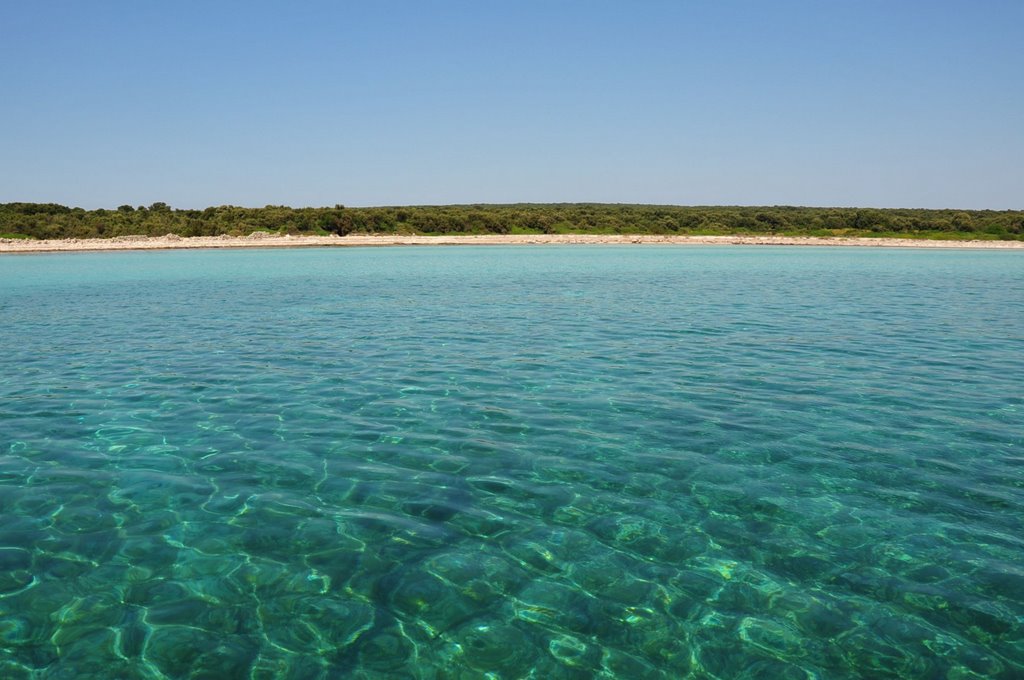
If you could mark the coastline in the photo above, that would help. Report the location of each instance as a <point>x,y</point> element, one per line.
<point>261,240</point>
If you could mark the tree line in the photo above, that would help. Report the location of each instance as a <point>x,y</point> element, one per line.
<point>50,220</point>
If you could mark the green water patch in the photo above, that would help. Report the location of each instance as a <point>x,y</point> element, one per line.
<point>507,463</point>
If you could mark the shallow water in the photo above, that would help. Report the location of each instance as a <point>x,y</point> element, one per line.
<point>548,462</point>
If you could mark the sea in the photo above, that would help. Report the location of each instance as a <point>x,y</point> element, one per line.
<point>512,462</point>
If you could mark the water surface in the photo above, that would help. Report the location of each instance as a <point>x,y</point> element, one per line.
<point>546,462</point>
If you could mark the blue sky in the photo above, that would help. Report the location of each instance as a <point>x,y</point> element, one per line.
<point>911,103</point>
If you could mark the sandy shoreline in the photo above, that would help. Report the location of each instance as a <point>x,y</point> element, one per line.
<point>259,240</point>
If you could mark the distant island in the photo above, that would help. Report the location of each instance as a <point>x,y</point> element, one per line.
<point>52,221</point>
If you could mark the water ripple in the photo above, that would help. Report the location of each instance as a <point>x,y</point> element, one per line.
<point>529,463</point>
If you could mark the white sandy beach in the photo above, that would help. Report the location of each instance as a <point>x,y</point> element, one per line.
<point>261,240</point>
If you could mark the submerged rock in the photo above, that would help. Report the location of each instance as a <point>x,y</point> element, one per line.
<point>176,650</point>
<point>426,600</point>
<point>12,559</point>
<point>575,653</point>
<point>495,647</point>
<point>555,606</point>
<point>387,651</point>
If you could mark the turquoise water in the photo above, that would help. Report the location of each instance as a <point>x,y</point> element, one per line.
<point>545,462</point>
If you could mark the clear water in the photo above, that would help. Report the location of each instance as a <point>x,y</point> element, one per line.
<point>547,462</point>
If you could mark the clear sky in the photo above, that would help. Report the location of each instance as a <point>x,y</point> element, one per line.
<point>884,103</point>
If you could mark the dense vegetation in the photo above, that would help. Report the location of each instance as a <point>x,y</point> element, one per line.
<point>48,220</point>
